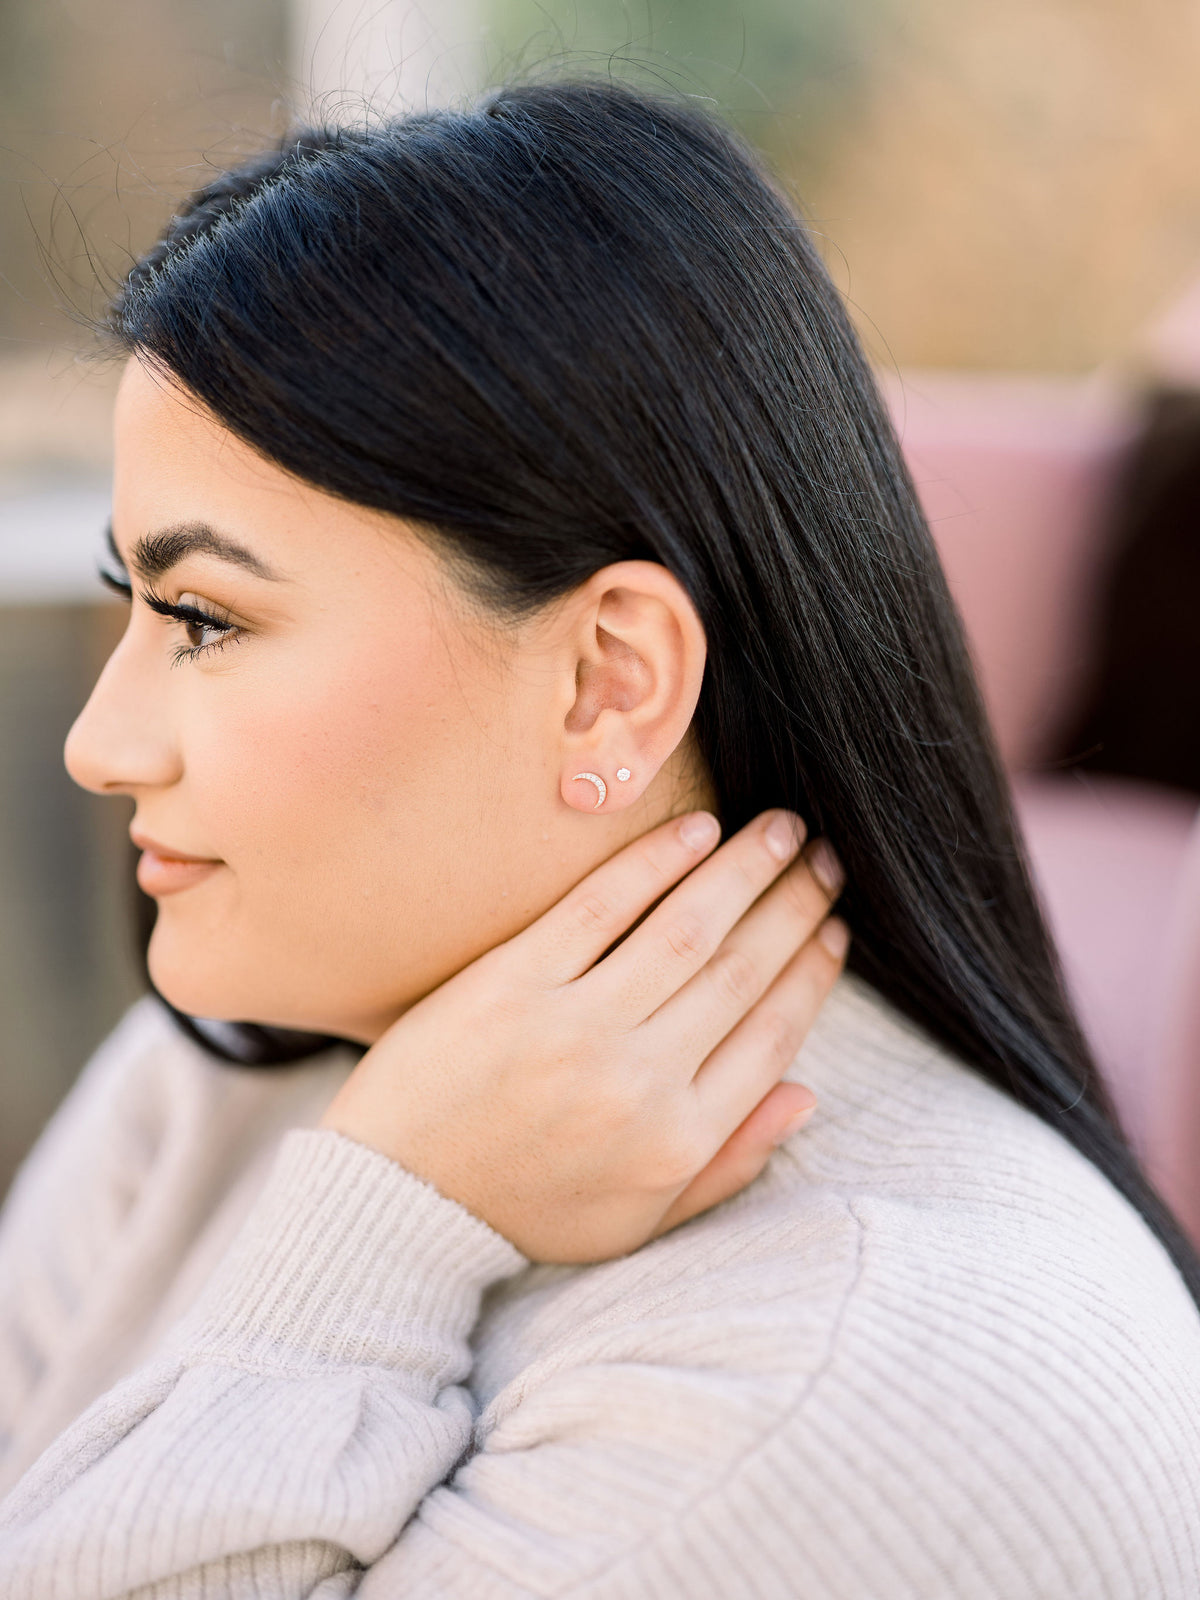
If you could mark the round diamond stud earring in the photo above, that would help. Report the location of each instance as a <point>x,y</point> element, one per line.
<point>622,774</point>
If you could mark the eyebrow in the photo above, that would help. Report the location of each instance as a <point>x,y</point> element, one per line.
<point>156,553</point>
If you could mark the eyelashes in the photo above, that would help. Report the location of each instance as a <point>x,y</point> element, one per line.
<point>119,586</point>
<point>187,616</point>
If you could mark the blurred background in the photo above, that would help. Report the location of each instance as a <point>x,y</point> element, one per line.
<point>1009,197</point>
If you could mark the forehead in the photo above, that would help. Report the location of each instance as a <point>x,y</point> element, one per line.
<point>174,463</point>
<point>164,426</point>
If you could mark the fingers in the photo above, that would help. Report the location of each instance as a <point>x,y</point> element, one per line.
<point>782,1112</point>
<point>695,1019</point>
<point>579,929</point>
<point>759,1050</point>
<point>680,935</point>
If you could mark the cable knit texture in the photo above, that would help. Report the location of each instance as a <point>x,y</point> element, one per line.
<point>929,1355</point>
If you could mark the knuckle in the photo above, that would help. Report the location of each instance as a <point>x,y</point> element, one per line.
<point>804,902</point>
<point>595,913</point>
<point>656,858</point>
<point>737,977</point>
<point>749,865</point>
<point>781,1035</point>
<point>687,938</point>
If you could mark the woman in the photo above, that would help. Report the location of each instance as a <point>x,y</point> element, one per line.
<point>501,495</point>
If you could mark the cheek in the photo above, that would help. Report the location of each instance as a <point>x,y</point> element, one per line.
<point>362,805</point>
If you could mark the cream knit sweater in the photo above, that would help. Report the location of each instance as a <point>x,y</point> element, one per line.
<point>929,1355</point>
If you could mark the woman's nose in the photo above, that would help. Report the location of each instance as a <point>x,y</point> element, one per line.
<point>120,742</point>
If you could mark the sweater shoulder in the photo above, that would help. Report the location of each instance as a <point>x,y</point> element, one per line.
<point>927,1280</point>
<point>142,1048</point>
<point>967,1199</point>
<point>147,1091</point>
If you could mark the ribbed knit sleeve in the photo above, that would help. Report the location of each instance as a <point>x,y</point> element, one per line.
<point>299,1413</point>
<point>111,1207</point>
<point>74,1215</point>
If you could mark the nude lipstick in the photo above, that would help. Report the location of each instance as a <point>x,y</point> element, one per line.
<point>162,870</point>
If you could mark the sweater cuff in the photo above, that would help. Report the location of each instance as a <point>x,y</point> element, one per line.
<point>347,1259</point>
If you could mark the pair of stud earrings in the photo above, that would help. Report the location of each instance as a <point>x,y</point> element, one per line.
<point>601,786</point>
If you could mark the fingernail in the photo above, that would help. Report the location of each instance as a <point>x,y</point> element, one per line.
<point>825,866</point>
<point>835,936</point>
<point>699,829</point>
<point>794,1124</point>
<point>784,835</point>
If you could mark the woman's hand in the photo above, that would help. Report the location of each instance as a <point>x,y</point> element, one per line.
<point>582,1102</point>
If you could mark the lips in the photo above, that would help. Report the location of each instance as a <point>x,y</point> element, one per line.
<point>166,852</point>
<point>164,870</point>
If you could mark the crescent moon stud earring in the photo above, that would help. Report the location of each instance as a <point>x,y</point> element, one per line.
<point>601,786</point>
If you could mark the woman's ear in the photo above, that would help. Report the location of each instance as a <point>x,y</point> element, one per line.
<point>639,652</point>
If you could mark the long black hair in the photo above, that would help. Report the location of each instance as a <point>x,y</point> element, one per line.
<point>577,324</point>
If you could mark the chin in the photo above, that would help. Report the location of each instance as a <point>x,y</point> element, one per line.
<point>195,992</point>
<point>209,980</point>
<point>205,978</point>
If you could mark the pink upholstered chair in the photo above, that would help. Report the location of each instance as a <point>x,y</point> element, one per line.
<point>1014,475</point>
<point>1172,1135</point>
<point>1107,856</point>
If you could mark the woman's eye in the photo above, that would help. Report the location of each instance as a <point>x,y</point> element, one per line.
<point>203,631</point>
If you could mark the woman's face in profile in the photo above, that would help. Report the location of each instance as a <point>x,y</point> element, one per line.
<point>373,762</point>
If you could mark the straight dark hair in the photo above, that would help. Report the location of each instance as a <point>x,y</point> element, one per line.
<point>578,324</point>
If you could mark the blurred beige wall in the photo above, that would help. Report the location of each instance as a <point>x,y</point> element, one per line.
<point>108,109</point>
<point>67,963</point>
<point>1019,185</point>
